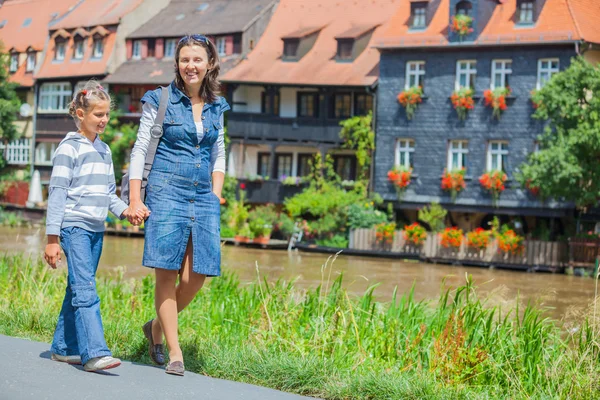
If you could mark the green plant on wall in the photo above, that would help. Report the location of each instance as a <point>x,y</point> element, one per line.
<point>434,216</point>
<point>358,135</point>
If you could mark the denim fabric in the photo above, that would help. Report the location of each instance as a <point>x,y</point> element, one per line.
<point>79,329</point>
<point>179,192</point>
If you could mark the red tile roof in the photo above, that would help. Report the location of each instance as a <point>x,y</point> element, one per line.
<point>318,66</point>
<point>97,12</point>
<point>15,35</point>
<point>101,17</point>
<point>20,36</point>
<point>559,21</point>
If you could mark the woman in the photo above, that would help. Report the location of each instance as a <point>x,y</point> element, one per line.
<point>182,232</point>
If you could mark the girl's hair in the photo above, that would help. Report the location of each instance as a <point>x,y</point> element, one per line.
<point>86,98</point>
<point>210,85</point>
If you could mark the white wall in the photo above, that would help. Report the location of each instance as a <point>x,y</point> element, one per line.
<point>287,107</point>
<point>247,94</point>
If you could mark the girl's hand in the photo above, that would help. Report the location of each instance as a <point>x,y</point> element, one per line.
<point>52,254</point>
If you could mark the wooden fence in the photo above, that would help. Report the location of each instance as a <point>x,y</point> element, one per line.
<point>537,255</point>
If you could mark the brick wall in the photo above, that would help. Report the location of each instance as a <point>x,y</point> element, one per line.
<point>435,123</point>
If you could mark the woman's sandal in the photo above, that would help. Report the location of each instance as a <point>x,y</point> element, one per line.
<point>156,351</point>
<point>175,368</point>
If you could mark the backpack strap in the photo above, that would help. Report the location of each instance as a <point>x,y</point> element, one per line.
<point>156,132</point>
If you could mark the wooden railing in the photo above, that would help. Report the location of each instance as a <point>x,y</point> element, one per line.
<point>536,254</point>
<point>583,252</point>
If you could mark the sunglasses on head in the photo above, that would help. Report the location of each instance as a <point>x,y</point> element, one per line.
<point>199,38</point>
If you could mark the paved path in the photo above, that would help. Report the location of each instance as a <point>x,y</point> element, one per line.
<point>26,372</point>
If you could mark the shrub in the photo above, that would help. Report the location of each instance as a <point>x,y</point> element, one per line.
<point>433,215</point>
<point>510,242</point>
<point>385,233</point>
<point>364,215</point>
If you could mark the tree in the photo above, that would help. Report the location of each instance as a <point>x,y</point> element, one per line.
<point>567,165</point>
<point>358,135</point>
<point>9,102</point>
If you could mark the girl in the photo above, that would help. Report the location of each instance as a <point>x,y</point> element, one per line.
<point>182,237</point>
<point>82,190</point>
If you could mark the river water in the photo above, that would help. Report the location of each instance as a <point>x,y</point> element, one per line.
<point>559,293</point>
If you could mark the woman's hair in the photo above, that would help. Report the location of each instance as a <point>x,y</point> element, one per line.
<point>86,98</point>
<point>210,85</point>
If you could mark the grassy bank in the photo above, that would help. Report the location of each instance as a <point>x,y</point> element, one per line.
<point>326,344</point>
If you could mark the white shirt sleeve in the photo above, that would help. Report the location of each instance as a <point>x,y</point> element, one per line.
<point>217,155</point>
<point>140,149</point>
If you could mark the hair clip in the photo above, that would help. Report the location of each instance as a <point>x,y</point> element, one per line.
<point>84,92</point>
<point>100,87</point>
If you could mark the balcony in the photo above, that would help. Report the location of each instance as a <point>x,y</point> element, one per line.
<point>261,127</point>
<point>269,191</point>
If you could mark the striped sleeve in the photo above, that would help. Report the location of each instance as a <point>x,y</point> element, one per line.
<point>117,206</point>
<point>63,164</point>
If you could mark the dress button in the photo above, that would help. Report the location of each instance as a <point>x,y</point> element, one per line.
<point>197,165</point>
<point>192,218</point>
<point>191,201</point>
<point>203,117</point>
<point>195,183</point>
<point>197,146</point>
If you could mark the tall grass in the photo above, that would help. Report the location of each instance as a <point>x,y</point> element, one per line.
<point>322,342</point>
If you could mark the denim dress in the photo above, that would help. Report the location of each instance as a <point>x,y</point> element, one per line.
<point>179,191</point>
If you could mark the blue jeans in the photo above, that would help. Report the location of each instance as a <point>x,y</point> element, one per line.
<point>79,329</point>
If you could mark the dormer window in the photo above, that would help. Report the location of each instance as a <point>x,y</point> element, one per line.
<point>59,54</point>
<point>299,42</point>
<point>30,61</point>
<point>526,12</point>
<point>418,15</point>
<point>14,62</point>
<point>98,51</point>
<point>464,8</point>
<point>78,52</point>
<point>290,48</point>
<point>344,49</point>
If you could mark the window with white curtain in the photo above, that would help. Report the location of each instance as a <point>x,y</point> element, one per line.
<point>404,153</point>
<point>466,71</point>
<point>497,155</point>
<point>501,71</point>
<point>55,97</point>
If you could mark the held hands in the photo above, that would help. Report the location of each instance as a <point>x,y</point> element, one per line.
<point>136,213</point>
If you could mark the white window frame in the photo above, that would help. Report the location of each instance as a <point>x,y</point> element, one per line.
<point>221,45</point>
<point>467,68</point>
<point>418,74</point>
<point>55,93</point>
<point>14,62</point>
<point>404,147</point>
<point>79,50</point>
<point>548,69</point>
<point>31,59</point>
<point>421,18</point>
<point>504,69</point>
<point>461,149</point>
<point>98,48</point>
<point>170,44</point>
<point>136,51</point>
<point>526,11</point>
<point>41,150</point>
<point>497,149</point>
<point>60,51</point>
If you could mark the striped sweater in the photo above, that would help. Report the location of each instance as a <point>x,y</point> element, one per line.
<point>82,187</point>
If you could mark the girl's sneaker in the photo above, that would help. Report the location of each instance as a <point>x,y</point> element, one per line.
<point>101,363</point>
<point>67,359</point>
